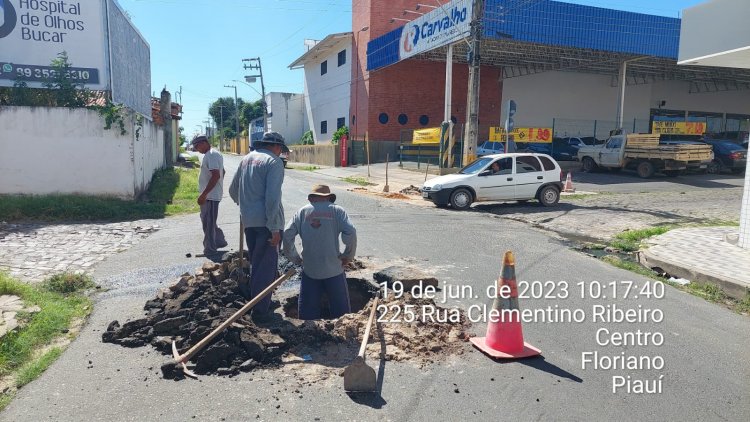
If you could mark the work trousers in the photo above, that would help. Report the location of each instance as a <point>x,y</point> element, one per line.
<point>213,237</point>
<point>311,293</point>
<point>265,259</point>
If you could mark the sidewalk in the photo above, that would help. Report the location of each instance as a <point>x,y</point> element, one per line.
<point>701,254</point>
<point>697,254</point>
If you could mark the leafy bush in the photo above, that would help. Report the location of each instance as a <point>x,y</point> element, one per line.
<point>307,138</point>
<point>343,130</point>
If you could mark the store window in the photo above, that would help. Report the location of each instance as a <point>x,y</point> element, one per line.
<point>324,126</point>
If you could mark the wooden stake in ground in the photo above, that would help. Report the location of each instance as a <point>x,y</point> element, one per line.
<point>367,147</point>
<point>241,274</point>
<point>426,171</point>
<point>386,188</point>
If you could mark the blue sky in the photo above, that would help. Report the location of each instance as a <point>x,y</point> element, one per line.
<point>200,44</point>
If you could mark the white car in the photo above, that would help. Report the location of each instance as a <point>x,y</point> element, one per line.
<point>498,177</point>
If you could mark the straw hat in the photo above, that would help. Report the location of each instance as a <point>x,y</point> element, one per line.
<point>322,191</point>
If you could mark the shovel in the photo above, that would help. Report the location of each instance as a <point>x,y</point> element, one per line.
<point>358,376</point>
<point>181,359</point>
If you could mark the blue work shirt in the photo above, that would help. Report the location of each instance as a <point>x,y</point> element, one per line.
<point>256,188</point>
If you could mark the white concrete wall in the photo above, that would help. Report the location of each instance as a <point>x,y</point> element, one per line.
<point>287,115</point>
<point>327,96</point>
<point>587,97</point>
<point>68,151</point>
<point>713,28</point>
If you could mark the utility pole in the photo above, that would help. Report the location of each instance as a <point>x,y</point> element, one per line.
<point>471,134</point>
<point>236,111</point>
<point>221,128</point>
<point>255,65</point>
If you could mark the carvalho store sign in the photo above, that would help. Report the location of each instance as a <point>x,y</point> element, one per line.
<point>34,32</point>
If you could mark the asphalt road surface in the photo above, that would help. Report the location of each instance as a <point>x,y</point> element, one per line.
<point>706,360</point>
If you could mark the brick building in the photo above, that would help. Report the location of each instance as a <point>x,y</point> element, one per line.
<point>409,94</point>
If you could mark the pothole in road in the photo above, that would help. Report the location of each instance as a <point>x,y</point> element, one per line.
<point>361,291</point>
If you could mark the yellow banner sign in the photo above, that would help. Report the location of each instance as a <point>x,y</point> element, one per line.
<point>426,136</point>
<point>523,134</point>
<point>678,128</point>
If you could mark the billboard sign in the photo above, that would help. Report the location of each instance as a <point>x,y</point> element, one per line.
<point>34,32</point>
<point>523,134</point>
<point>440,27</point>
<point>426,136</point>
<point>678,128</point>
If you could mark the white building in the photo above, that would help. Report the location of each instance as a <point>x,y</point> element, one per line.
<point>716,34</point>
<point>327,66</point>
<point>286,115</point>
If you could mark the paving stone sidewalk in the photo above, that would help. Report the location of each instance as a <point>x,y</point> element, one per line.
<point>34,251</point>
<point>701,254</point>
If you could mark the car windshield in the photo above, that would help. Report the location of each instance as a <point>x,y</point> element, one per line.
<point>476,166</point>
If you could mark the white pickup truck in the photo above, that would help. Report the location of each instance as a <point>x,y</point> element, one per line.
<point>644,154</point>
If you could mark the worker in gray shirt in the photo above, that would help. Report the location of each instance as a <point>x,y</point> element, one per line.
<point>256,187</point>
<point>319,225</point>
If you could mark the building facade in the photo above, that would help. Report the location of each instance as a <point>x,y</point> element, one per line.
<point>286,115</point>
<point>327,77</point>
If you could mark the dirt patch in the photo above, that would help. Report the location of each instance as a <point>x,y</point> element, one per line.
<point>395,195</point>
<point>195,304</point>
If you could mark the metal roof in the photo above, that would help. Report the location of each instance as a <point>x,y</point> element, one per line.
<point>531,36</point>
<point>320,49</point>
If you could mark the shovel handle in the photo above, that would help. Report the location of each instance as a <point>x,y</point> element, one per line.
<point>366,337</point>
<point>201,344</point>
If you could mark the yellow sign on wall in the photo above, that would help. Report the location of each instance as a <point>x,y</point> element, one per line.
<point>523,134</point>
<point>678,128</point>
<point>426,136</point>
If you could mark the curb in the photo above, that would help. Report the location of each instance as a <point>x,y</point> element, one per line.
<point>734,289</point>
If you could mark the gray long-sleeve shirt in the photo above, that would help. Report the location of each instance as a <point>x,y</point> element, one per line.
<point>319,226</point>
<point>256,187</point>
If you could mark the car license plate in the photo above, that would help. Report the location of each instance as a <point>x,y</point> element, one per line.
<point>425,194</point>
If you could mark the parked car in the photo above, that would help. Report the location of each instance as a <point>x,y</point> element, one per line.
<point>285,158</point>
<point>498,177</point>
<point>561,149</point>
<point>490,147</point>
<point>728,155</point>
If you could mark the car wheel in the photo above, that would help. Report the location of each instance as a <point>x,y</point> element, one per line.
<point>713,168</point>
<point>588,164</point>
<point>461,199</point>
<point>549,196</point>
<point>645,170</point>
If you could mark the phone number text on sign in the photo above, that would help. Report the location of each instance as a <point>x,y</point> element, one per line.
<point>31,73</point>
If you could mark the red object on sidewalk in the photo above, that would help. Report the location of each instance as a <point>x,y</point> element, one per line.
<point>344,147</point>
<point>569,183</point>
<point>504,337</point>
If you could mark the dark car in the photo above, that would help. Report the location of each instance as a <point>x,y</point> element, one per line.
<point>561,149</point>
<point>728,155</point>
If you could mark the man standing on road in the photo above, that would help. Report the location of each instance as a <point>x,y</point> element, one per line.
<point>319,225</point>
<point>210,186</point>
<point>256,187</point>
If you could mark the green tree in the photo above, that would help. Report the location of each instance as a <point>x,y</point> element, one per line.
<point>343,130</point>
<point>307,138</point>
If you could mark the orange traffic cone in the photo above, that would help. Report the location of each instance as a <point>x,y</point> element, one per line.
<point>504,334</point>
<point>569,184</point>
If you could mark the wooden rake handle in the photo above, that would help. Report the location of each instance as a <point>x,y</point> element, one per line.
<point>366,337</point>
<point>237,315</point>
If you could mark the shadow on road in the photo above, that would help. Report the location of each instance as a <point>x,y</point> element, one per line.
<point>543,365</point>
<point>693,180</point>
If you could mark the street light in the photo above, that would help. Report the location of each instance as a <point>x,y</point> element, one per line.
<point>356,86</point>
<point>262,102</point>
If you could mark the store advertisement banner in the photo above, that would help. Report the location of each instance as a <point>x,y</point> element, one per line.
<point>523,134</point>
<point>441,26</point>
<point>426,136</point>
<point>34,32</point>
